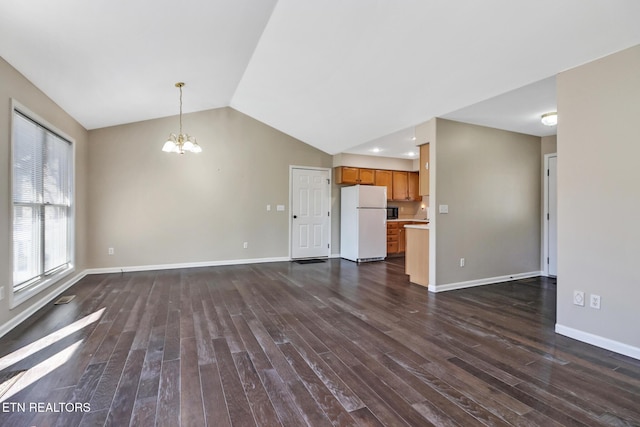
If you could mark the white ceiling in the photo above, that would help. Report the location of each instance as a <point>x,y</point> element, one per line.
<point>335,74</point>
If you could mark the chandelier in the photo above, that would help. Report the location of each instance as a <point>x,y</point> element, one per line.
<point>182,142</point>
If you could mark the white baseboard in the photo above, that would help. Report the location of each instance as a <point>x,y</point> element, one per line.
<point>480,282</point>
<point>129,269</point>
<point>334,255</point>
<point>599,341</point>
<point>49,296</point>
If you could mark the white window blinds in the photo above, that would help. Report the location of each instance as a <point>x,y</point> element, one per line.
<point>42,193</point>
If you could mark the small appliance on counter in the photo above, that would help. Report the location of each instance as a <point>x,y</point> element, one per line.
<point>363,223</point>
<point>392,212</point>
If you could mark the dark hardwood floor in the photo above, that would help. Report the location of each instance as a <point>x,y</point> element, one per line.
<point>322,344</point>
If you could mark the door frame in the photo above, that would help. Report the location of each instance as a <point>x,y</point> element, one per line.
<point>545,223</point>
<point>290,210</point>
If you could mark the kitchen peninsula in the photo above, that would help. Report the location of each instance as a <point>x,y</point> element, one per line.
<point>417,253</point>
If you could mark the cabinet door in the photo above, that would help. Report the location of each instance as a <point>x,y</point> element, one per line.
<point>392,237</point>
<point>414,183</point>
<point>400,185</point>
<point>367,177</point>
<point>347,175</point>
<point>424,170</point>
<point>385,179</point>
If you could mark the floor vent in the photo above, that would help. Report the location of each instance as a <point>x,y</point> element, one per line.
<point>309,261</point>
<point>64,300</point>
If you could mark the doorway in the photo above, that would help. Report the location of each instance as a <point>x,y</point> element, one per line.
<point>550,219</point>
<point>310,213</point>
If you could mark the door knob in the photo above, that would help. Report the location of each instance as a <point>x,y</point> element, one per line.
<point>295,216</point>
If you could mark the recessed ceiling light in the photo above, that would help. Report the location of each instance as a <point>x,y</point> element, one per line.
<point>375,150</point>
<point>550,119</point>
<point>411,154</point>
<point>413,139</point>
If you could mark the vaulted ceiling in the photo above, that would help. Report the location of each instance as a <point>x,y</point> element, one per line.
<point>335,74</point>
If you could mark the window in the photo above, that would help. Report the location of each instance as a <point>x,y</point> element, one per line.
<point>42,190</point>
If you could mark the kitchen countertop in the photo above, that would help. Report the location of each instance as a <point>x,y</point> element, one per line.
<point>418,226</point>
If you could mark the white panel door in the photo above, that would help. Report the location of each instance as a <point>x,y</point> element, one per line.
<point>310,222</point>
<point>552,226</point>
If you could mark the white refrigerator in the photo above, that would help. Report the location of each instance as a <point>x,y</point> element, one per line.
<point>363,223</point>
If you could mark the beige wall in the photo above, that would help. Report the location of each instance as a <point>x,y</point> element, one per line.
<point>373,162</point>
<point>490,180</point>
<point>599,200</point>
<point>548,144</point>
<point>14,85</point>
<point>156,208</point>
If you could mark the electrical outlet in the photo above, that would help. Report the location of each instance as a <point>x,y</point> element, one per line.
<point>594,302</point>
<point>461,262</point>
<point>245,245</point>
<point>578,298</point>
<point>111,252</point>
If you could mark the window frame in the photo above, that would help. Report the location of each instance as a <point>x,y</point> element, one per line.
<point>50,278</point>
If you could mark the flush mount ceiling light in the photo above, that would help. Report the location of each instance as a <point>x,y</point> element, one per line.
<point>182,142</point>
<point>549,119</point>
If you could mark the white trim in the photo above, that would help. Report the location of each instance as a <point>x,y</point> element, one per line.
<point>545,209</point>
<point>15,321</point>
<point>152,267</point>
<point>481,282</point>
<point>329,229</point>
<point>599,341</point>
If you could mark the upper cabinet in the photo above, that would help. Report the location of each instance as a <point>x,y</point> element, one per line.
<point>384,178</point>
<point>405,186</point>
<point>424,170</point>
<point>351,175</point>
<point>401,185</point>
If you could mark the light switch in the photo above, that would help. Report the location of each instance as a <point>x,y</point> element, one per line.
<point>280,207</point>
<point>443,209</point>
<point>268,207</point>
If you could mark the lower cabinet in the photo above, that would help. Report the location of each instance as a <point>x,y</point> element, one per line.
<point>392,238</point>
<point>396,237</point>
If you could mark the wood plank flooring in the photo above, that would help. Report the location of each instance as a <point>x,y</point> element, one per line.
<point>326,344</point>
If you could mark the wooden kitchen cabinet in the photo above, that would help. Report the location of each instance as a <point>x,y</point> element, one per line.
<point>384,178</point>
<point>392,238</point>
<point>414,186</point>
<point>424,170</point>
<point>400,185</point>
<point>351,175</point>
<point>405,186</point>
<point>402,236</point>
<point>396,237</point>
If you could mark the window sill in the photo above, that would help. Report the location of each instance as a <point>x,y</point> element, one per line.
<point>23,295</point>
